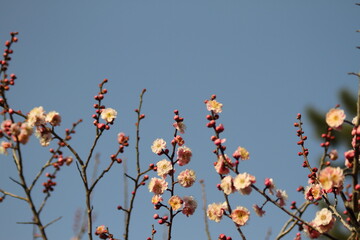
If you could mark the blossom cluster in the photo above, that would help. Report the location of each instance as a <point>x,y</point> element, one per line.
<point>166,179</point>
<point>322,223</point>
<point>322,181</point>
<point>21,131</point>
<point>328,183</point>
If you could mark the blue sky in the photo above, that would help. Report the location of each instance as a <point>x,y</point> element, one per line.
<point>265,60</point>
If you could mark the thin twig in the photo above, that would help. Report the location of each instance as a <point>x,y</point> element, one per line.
<point>44,202</point>
<point>139,174</point>
<point>101,176</point>
<point>53,221</point>
<point>285,230</point>
<point>13,195</point>
<point>203,194</point>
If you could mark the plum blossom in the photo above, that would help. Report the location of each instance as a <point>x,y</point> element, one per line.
<point>15,129</point>
<point>123,139</point>
<point>6,125</point>
<point>101,230</point>
<point>241,153</point>
<point>53,118</point>
<point>156,199</point>
<point>187,178</point>
<point>240,215</point>
<point>282,196</point>
<point>258,210</point>
<point>313,192</point>
<point>44,136</point>
<point>175,202</point>
<point>354,120</point>
<point>215,211</point>
<point>190,205</point>
<point>25,132</point>
<point>335,117</point>
<point>20,132</point>
<point>69,160</point>
<point>242,183</point>
<point>108,114</point>
<point>349,158</point>
<point>157,186</point>
<point>330,178</point>
<point>270,185</point>
<point>158,146</point>
<point>179,140</point>
<point>333,154</point>
<point>227,185</point>
<point>4,146</point>
<point>311,232</point>
<point>163,168</point>
<point>36,116</point>
<point>214,106</point>
<point>184,155</point>
<point>324,220</point>
<point>221,165</point>
<point>180,126</point>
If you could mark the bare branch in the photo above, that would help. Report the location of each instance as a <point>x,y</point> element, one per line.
<point>13,195</point>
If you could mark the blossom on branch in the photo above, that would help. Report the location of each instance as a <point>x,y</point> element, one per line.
<point>157,186</point>
<point>270,185</point>
<point>44,136</point>
<point>240,215</point>
<point>258,210</point>
<point>163,168</point>
<point>333,154</point>
<point>313,192</point>
<point>187,178</point>
<point>221,166</point>
<point>123,139</point>
<point>180,126</point>
<point>282,196</point>
<point>53,118</point>
<point>184,155</point>
<point>175,202</point>
<point>25,132</point>
<point>354,120</point>
<point>227,185</point>
<point>156,199</point>
<point>331,178</point>
<point>324,220</point>
<point>190,205</point>
<point>6,125</point>
<point>335,117</point>
<point>4,146</point>
<point>241,153</point>
<point>311,232</point>
<point>213,105</point>
<point>158,146</point>
<point>101,230</point>
<point>242,183</point>
<point>215,211</point>
<point>108,114</point>
<point>36,116</point>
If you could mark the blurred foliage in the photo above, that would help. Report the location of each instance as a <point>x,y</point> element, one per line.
<point>343,138</point>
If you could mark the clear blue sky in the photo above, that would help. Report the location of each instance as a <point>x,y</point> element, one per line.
<point>265,60</point>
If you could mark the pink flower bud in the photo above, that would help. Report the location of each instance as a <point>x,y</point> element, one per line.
<point>220,128</point>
